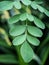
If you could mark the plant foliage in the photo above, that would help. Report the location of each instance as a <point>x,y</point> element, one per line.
<point>25,35</point>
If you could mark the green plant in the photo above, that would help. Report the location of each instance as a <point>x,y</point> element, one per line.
<point>27,32</point>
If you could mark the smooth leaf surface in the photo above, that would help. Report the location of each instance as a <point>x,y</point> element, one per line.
<point>23,16</point>
<point>6,5</point>
<point>41,9</point>
<point>14,19</point>
<point>17,4</point>
<point>39,23</point>
<point>17,30</point>
<point>35,31</point>
<point>30,17</point>
<point>47,12</point>
<point>26,2</point>
<point>34,41</point>
<point>27,52</point>
<point>34,5</point>
<point>19,40</point>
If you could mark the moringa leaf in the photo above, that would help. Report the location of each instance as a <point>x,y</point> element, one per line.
<point>6,5</point>
<point>43,10</point>
<point>19,40</point>
<point>23,16</point>
<point>32,40</point>
<point>30,17</point>
<point>39,23</point>
<point>35,31</point>
<point>40,8</point>
<point>46,12</point>
<point>17,30</point>
<point>27,52</point>
<point>14,19</point>
<point>26,2</point>
<point>17,4</point>
<point>34,5</point>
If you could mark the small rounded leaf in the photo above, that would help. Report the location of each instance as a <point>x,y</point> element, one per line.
<point>17,30</point>
<point>23,16</point>
<point>35,31</point>
<point>40,8</point>
<point>17,4</point>
<point>27,52</point>
<point>34,5</point>
<point>46,12</point>
<point>30,17</point>
<point>6,5</point>
<point>26,2</point>
<point>14,19</point>
<point>19,40</point>
<point>39,23</point>
<point>32,40</point>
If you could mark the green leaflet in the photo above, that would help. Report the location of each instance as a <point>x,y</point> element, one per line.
<point>17,4</point>
<point>17,30</point>
<point>14,19</point>
<point>26,2</point>
<point>34,41</point>
<point>39,1</point>
<point>30,17</point>
<point>19,40</point>
<point>39,23</point>
<point>6,5</point>
<point>34,5</point>
<point>23,16</point>
<point>40,8</point>
<point>35,31</point>
<point>26,52</point>
<point>17,17</point>
<point>46,12</point>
